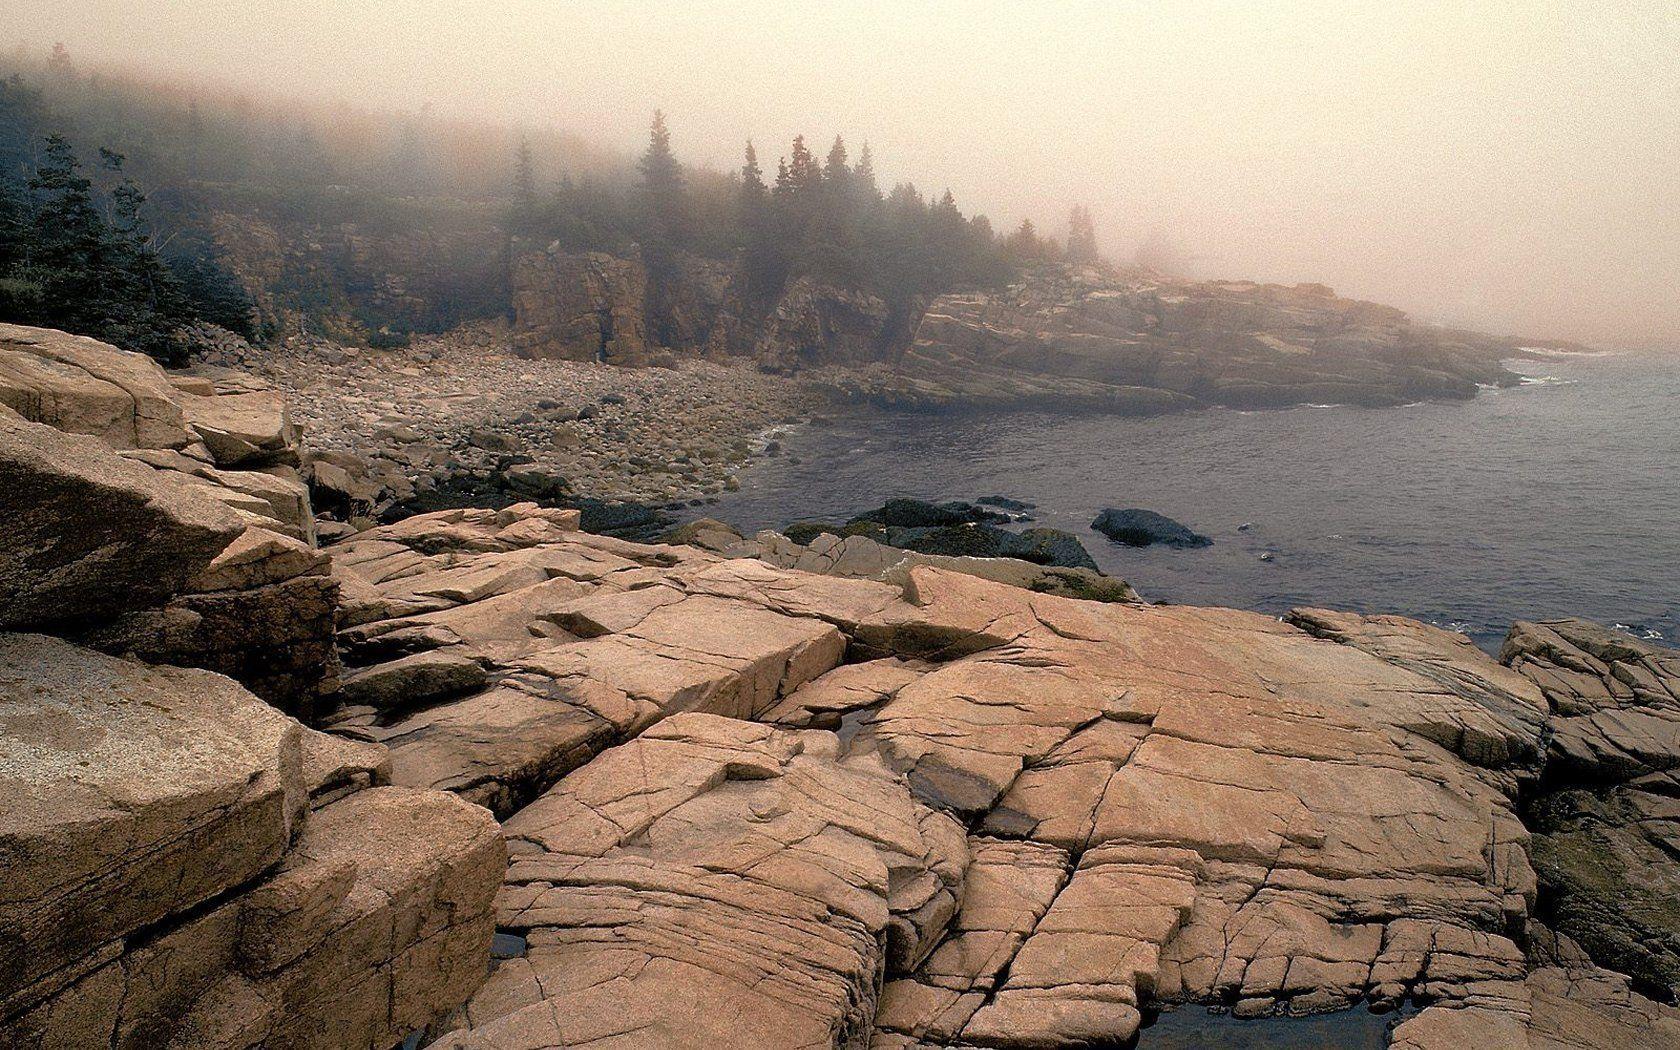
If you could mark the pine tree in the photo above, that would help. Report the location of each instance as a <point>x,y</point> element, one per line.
<point>863,175</point>
<point>752,177</point>
<point>804,175</point>
<point>836,175</point>
<point>524,189</point>
<point>68,233</point>
<point>1082,237</point>
<point>662,188</point>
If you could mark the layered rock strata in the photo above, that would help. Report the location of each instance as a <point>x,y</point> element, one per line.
<point>1148,804</point>
<point>188,867</point>
<point>157,518</point>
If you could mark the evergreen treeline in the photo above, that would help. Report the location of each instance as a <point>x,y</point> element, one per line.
<point>79,252</point>
<point>81,247</point>
<point>824,218</point>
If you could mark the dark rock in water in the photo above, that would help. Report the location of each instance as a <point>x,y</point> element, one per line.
<point>1049,547</point>
<point>515,482</point>
<point>626,520</point>
<point>803,532</point>
<point>953,540</point>
<point>953,529</point>
<point>920,514</point>
<point>1140,528</point>
<point>1039,546</point>
<point>1005,503</point>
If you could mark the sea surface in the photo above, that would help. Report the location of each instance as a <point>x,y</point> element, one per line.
<point>1557,497</point>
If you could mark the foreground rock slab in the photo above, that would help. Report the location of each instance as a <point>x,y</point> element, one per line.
<point>187,867</point>
<point>806,877</point>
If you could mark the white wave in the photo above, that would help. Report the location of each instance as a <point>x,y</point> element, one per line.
<point>1553,351</point>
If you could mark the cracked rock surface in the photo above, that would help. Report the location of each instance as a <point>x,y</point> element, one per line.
<point>1119,806</point>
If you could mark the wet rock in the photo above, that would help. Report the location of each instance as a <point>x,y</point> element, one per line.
<point>1141,528</point>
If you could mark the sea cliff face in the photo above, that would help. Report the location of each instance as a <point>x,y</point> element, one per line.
<point>745,801</point>
<point>1071,338</point>
<point>1062,338</point>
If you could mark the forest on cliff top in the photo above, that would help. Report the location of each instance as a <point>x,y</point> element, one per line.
<point>119,196</point>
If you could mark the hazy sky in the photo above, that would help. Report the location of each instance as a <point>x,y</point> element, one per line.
<point>1511,165</point>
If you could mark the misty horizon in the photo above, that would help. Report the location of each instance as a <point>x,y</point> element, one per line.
<point>1512,173</point>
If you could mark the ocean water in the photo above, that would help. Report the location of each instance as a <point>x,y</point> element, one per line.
<point>1557,497</point>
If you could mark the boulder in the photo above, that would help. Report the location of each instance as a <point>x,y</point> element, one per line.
<point>90,534</point>
<point>1141,528</point>
<point>83,386</point>
<point>376,925</point>
<point>243,430</point>
<point>135,793</point>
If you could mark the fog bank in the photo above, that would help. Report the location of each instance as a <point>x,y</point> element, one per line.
<point>1509,166</point>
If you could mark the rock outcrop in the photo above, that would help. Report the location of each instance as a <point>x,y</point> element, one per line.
<point>157,518</point>
<point>924,803</point>
<point>1067,338</point>
<point>814,873</point>
<point>1148,804</point>
<point>1607,827</point>
<point>589,307</point>
<point>169,884</point>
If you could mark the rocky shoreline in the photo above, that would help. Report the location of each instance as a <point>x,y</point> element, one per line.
<point>479,779</point>
<point>462,404</point>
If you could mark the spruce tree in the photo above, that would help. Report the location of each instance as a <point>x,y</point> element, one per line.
<point>1082,237</point>
<point>863,175</point>
<point>752,177</point>
<point>662,188</point>
<point>836,175</point>
<point>804,175</point>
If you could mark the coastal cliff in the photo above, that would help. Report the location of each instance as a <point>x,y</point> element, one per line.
<point>1061,337</point>
<point>752,802</point>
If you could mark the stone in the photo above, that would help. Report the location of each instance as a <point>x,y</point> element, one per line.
<point>819,873</point>
<point>414,680</point>
<point>1141,528</point>
<point>376,925</point>
<point>83,386</point>
<point>90,534</point>
<point>243,430</point>
<point>134,793</point>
